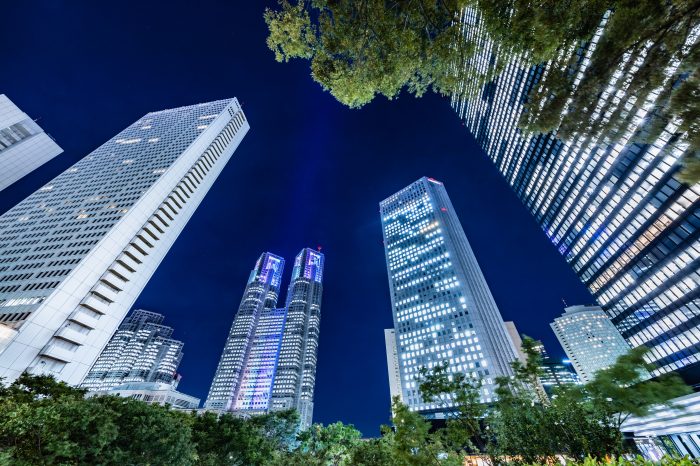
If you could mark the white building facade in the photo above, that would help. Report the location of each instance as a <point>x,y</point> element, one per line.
<point>141,350</point>
<point>392,362</point>
<point>442,306</point>
<point>24,146</point>
<point>151,393</point>
<point>75,255</point>
<point>590,340</point>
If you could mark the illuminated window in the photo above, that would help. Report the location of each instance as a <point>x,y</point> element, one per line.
<point>45,188</point>
<point>145,127</point>
<point>159,171</point>
<point>201,127</point>
<point>127,161</point>
<point>82,216</point>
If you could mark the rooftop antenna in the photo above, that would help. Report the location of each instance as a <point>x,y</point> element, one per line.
<point>562,300</point>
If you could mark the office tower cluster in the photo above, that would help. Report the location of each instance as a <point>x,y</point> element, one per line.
<point>75,255</point>
<point>140,362</point>
<point>141,350</point>
<point>589,339</point>
<point>613,209</point>
<point>24,146</point>
<point>442,307</point>
<point>269,359</point>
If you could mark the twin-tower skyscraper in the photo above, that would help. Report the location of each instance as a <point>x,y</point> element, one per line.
<point>76,254</point>
<point>269,360</point>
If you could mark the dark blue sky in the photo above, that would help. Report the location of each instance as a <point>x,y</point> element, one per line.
<point>309,173</point>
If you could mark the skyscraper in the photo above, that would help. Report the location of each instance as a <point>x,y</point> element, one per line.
<point>296,370</point>
<point>81,248</point>
<point>590,340</point>
<point>443,308</point>
<point>611,207</point>
<point>392,362</point>
<point>269,361</point>
<point>24,146</point>
<point>557,372</point>
<point>141,350</point>
<point>243,380</point>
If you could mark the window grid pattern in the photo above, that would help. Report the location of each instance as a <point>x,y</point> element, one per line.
<point>612,208</point>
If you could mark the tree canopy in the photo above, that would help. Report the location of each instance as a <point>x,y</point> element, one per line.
<point>605,60</point>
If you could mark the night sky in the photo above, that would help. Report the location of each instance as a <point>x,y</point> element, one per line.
<point>309,173</point>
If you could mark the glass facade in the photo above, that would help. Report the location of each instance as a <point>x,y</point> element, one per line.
<point>442,307</point>
<point>140,351</point>
<point>612,208</point>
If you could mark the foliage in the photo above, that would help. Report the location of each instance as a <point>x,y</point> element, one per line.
<point>332,445</point>
<point>373,452</point>
<point>362,48</point>
<point>529,428</point>
<point>46,422</point>
<point>645,58</point>
<point>227,440</point>
<point>625,387</point>
<point>458,394</point>
<point>639,461</point>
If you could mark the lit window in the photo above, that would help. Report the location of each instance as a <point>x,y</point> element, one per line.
<point>45,188</point>
<point>201,127</point>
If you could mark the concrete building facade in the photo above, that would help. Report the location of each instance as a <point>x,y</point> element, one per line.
<point>75,255</point>
<point>141,350</point>
<point>24,146</point>
<point>589,339</point>
<point>392,362</point>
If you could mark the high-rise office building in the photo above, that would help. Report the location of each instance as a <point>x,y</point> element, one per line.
<point>296,371</point>
<point>392,362</point>
<point>517,341</point>
<point>24,146</point>
<point>589,339</point>
<point>443,309</point>
<point>243,380</point>
<point>140,351</point>
<point>269,361</point>
<point>80,249</point>
<point>612,208</point>
<point>557,372</point>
